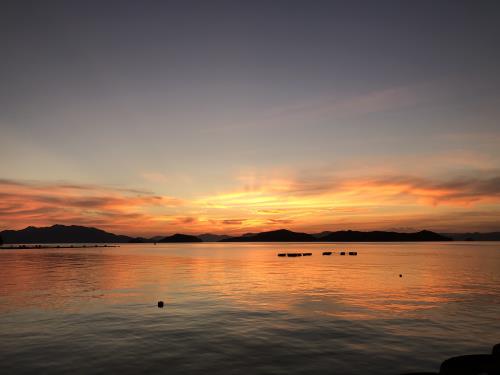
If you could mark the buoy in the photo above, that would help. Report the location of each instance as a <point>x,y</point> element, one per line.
<point>160,304</point>
<point>400,275</point>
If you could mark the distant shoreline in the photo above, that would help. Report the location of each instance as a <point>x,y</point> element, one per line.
<point>32,247</point>
<point>74,234</point>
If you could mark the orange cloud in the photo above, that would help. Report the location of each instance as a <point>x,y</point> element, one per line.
<point>23,203</point>
<point>307,203</point>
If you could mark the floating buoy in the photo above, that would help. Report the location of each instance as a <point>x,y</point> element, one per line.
<point>400,275</point>
<point>327,253</point>
<point>160,304</point>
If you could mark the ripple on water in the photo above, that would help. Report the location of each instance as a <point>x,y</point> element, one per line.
<point>237,308</point>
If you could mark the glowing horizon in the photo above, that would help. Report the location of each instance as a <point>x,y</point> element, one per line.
<point>311,205</point>
<point>137,120</point>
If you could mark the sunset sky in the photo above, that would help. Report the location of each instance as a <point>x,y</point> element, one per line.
<point>156,117</point>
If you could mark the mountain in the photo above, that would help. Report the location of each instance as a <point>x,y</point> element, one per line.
<point>209,237</point>
<point>61,234</point>
<point>322,234</point>
<point>181,238</point>
<point>492,236</point>
<point>155,239</point>
<point>281,235</point>
<point>379,236</point>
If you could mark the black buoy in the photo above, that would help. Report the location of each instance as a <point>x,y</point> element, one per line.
<point>400,275</point>
<point>160,304</point>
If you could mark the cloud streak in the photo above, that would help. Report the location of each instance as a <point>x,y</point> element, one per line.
<point>35,203</point>
<point>304,202</point>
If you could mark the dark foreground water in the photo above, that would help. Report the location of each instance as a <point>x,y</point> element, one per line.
<point>239,309</point>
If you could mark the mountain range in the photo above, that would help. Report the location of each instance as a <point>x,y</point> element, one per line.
<point>81,234</point>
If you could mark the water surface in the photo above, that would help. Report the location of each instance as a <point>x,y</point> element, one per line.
<point>238,308</point>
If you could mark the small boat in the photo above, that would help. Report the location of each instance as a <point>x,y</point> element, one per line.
<point>282,254</point>
<point>342,253</point>
<point>306,254</point>
<point>327,253</point>
<point>353,253</point>
<point>293,254</point>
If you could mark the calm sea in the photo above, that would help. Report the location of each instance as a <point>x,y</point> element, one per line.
<point>240,309</point>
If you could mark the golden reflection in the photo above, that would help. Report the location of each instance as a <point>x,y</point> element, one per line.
<point>248,276</point>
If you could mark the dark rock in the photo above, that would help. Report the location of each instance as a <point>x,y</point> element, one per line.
<point>471,365</point>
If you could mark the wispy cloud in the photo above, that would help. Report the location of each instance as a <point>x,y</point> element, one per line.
<point>333,106</point>
<point>312,201</point>
<point>34,203</point>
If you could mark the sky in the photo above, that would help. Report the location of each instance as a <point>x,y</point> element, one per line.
<point>157,117</point>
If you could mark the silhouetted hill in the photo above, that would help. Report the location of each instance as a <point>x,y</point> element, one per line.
<point>208,237</point>
<point>181,238</point>
<point>380,236</point>
<point>61,234</point>
<point>281,235</point>
<point>492,236</point>
<point>322,234</point>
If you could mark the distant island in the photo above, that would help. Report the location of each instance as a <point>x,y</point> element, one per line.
<point>181,238</point>
<point>281,235</point>
<point>379,236</point>
<point>81,234</point>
